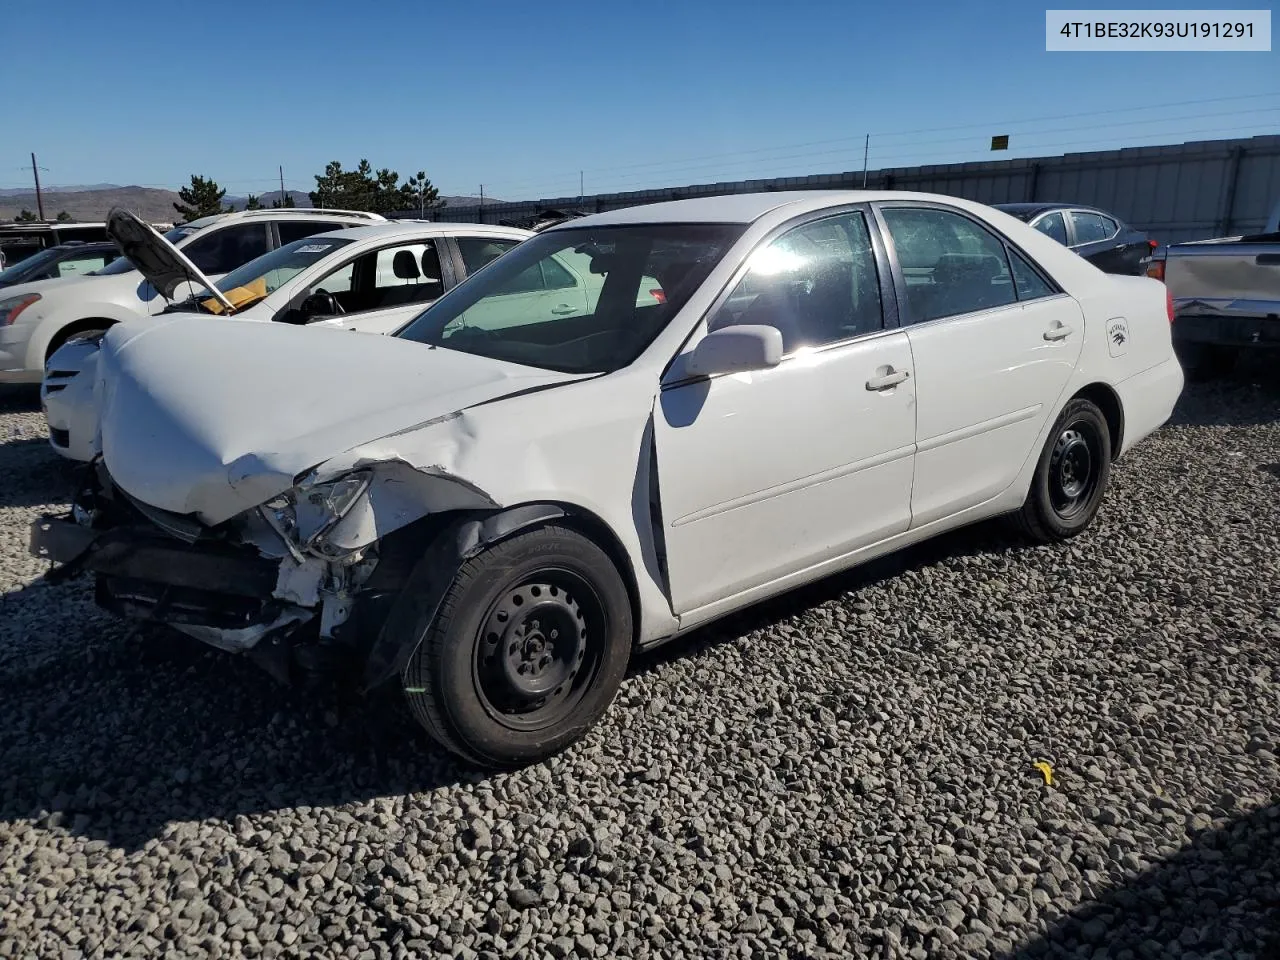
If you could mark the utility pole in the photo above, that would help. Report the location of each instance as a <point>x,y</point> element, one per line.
<point>481,214</point>
<point>281,169</point>
<point>35,172</point>
<point>580,190</point>
<point>866,149</point>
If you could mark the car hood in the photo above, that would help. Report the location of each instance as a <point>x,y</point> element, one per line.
<point>42,287</point>
<point>158,260</point>
<point>205,416</point>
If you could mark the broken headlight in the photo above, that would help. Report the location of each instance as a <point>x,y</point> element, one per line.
<point>303,515</point>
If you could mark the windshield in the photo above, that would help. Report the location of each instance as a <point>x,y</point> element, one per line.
<point>31,264</point>
<point>579,300</point>
<point>122,265</point>
<point>265,275</point>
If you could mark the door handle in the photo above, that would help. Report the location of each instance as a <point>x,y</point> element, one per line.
<point>1060,332</point>
<point>1121,246</point>
<point>562,310</point>
<point>888,381</point>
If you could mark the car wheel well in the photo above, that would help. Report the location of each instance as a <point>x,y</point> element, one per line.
<point>403,547</point>
<point>1108,401</point>
<point>71,329</point>
<point>601,534</point>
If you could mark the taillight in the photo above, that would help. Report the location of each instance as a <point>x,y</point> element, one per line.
<point>659,295</point>
<point>1155,270</point>
<point>1152,244</point>
<point>1168,303</point>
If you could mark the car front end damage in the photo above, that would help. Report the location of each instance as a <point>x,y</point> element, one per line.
<point>303,584</point>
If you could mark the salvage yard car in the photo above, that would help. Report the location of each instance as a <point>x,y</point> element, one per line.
<point>371,279</point>
<point>38,317</point>
<point>496,506</point>
<point>1100,237</point>
<point>1226,298</point>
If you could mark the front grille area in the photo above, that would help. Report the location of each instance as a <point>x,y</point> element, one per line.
<point>165,603</point>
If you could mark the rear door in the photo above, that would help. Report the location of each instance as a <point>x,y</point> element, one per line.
<point>994,343</point>
<point>556,286</point>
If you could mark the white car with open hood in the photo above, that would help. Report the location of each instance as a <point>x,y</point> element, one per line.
<point>370,279</point>
<point>38,317</point>
<point>500,503</point>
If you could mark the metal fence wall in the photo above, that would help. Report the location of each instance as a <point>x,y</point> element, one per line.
<point>1186,191</point>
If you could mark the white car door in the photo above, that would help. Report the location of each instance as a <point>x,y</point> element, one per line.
<point>994,344</point>
<point>765,474</point>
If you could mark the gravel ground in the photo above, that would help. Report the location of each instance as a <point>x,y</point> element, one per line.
<point>843,772</point>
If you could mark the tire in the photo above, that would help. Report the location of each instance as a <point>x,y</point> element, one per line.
<point>500,679</point>
<point>1071,476</point>
<point>1206,361</point>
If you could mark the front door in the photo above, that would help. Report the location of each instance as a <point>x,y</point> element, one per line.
<point>765,474</point>
<point>994,344</point>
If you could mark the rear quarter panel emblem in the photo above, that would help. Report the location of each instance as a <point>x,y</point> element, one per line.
<point>1117,336</point>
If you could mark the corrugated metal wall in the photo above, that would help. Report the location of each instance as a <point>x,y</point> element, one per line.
<point>1186,191</point>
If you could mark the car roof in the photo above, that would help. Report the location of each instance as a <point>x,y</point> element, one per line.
<point>741,207</point>
<point>393,229</point>
<point>1031,209</point>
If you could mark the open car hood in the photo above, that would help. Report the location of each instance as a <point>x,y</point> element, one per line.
<point>205,417</point>
<point>159,261</point>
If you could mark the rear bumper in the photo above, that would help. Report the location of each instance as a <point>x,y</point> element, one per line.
<point>1230,331</point>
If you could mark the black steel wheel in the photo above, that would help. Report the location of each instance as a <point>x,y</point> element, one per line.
<point>526,651</point>
<point>1071,475</point>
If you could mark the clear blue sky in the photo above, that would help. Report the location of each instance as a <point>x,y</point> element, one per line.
<point>521,96</point>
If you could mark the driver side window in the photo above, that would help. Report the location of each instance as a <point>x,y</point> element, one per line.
<point>817,284</point>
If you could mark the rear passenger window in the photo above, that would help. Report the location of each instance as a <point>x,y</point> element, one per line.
<point>951,265</point>
<point>1088,227</point>
<point>223,250</point>
<point>817,284</point>
<point>1030,285</point>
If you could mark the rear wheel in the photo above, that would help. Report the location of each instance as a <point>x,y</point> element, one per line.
<point>1071,475</point>
<point>526,652</point>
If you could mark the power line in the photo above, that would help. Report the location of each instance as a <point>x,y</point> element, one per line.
<point>1146,108</point>
<point>917,158</point>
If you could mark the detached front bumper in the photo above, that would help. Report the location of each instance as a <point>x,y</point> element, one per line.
<point>221,596</point>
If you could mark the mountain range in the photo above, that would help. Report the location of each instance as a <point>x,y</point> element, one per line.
<point>91,202</point>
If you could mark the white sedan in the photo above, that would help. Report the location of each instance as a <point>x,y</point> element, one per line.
<point>371,279</point>
<point>498,505</point>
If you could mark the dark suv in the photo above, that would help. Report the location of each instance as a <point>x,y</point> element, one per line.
<point>1103,239</point>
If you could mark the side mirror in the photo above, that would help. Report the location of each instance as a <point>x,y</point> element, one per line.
<point>736,349</point>
<point>320,304</point>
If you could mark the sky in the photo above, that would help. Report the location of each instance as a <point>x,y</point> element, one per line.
<point>533,99</point>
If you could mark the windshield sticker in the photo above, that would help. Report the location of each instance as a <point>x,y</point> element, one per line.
<point>314,248</point>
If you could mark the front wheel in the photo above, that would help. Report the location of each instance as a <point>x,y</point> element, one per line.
<point>1071,475</point>
<point>526,652</point>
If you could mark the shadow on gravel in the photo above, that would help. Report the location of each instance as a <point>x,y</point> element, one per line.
<point>31,474</point>
<point>19,397</point>
<point>1247,397</point>
<point>111,734</point>
<point>1218,897</point>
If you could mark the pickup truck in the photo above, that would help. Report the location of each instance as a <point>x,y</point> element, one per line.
<point>1226,298</point>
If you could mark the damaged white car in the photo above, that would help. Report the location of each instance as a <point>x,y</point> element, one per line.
<point>370,279</point>
<point>496,506</point>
